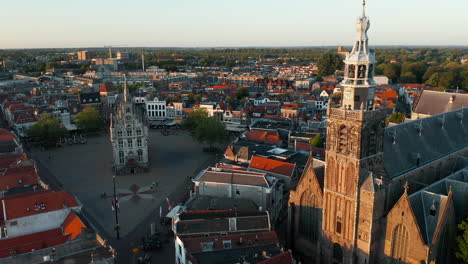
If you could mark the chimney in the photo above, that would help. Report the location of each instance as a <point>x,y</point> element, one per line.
<point>452,98</point>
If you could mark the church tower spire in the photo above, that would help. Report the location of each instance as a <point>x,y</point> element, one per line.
<point>353,159</point>
<point>358,83</point>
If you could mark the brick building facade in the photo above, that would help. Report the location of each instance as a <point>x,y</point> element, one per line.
<point>386,194</point>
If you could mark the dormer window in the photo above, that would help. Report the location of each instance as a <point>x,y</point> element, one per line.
<point>432,210</point>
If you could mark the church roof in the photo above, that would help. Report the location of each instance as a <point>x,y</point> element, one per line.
<point>433,102</point>
<point>415,143</point>
<point>428,209</point>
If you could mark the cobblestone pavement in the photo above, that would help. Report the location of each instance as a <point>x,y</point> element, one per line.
<point>85,171</point>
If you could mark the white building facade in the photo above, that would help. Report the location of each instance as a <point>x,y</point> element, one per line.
<point>156,109</point>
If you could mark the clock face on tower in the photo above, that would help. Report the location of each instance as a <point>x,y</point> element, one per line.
<point>348,94</point>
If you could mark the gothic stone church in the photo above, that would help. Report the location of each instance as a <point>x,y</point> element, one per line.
<point>386,194</point>
<point>129,138</point>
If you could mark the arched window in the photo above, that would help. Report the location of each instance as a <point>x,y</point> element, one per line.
<point>342,139</point>
<point>119,133</point>
<point>308,216</point>
<point>138,132</point>
<point>400,242</point>
<point>362,71</point>
<point>129,132</point>
<point>352,71</point>
<point>121,144</point>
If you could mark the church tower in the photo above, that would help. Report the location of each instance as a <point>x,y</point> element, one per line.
<point>358,83</point>
<point>354,154</point>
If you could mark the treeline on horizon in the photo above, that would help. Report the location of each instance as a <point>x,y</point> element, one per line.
<point>435,66</point>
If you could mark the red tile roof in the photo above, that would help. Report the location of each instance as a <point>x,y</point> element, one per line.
<point>6,135</point>
<point>6,105</point>
<point>72,225</point>
<point>266,136</point>
<point>17,206</point>
<point>303,146</point>
<point>273,166</point>
<point>283,258</point>
<point>7,161</point>
<point>386,94</point>
<point>107,87</point>
<point>18,177</point>
<point>290,106</point>
<point>28,243</point>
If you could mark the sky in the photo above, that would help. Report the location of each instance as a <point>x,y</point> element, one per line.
<point>221,23</point>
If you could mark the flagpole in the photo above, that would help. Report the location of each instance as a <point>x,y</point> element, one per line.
<point>117,227</point>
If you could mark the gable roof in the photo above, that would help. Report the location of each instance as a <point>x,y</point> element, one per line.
<point>266,136</point>
<point>18,177</point>
<point>31,203</point>
<point>28,243</point>
<point>422,203</point>
<point>273,166</point>
<point>194,244</point>
<point>433,102</point>
<point>415,143</point>
<point>7,161</point>
<point>221,221</point>
<point>6,135</point>
<point>234,177</point>
<point>72,225</point>
<point>283,258</point>
<point>107,87</point>
<point>315,167</point>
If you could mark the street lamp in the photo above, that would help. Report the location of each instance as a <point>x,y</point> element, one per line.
<point>117,227</point>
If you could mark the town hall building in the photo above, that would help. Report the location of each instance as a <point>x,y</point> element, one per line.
<point>386,194</point>
<point>129,138</point>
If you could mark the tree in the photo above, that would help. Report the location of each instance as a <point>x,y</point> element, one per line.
<point>317,141</point>
<point>195,117</point>
<point>242,92</point>
<point>408,77</point>
<point>47,129</point>
<point>396,118</point>
<point>328,63</point>
<point>462,242</point>
<point>418,69</point>
<point>447,79</point>
<point>211,131</point>
<point>434,80</point>
<point>391,70</point>
<point>89,120</point>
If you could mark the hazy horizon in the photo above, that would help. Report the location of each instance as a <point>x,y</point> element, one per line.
<point>207,23</point>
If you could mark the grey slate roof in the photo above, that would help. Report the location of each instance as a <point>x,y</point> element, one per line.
<point>433,102</point>
<point>436,195</point>
<point>412,144</point>
<point>422,202</point>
